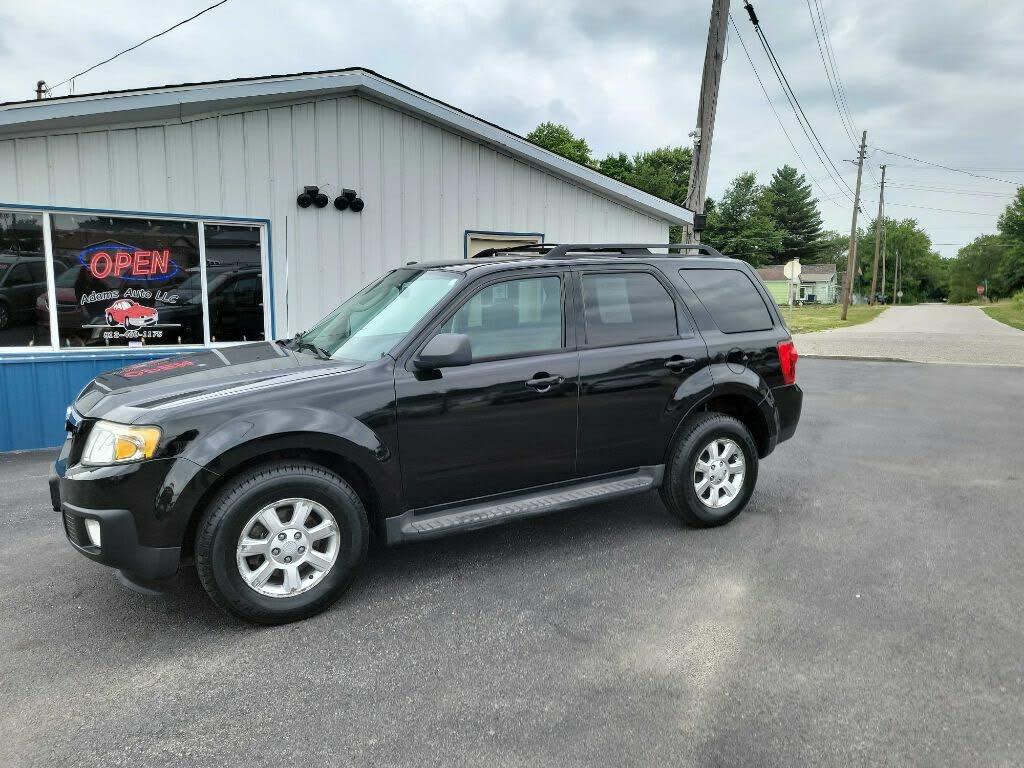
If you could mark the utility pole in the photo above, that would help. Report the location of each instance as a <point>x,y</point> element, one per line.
<point>895,280</point>
<point>709,81</point>
<point>878,235</point>
<point>851,260</point>
<point>884,233</point>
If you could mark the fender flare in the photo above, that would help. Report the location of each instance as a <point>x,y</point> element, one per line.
<point>762,401</point>
<point>246,438</point>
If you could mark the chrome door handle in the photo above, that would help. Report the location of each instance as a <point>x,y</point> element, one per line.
<point>679,364</point>
<point>542,382</point>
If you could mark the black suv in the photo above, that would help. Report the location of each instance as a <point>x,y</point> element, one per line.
<point>443,397</point>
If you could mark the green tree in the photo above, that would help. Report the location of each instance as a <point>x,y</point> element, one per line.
<point>663,172</point>
<point>738,225</point>
<point>560,140</point>
<point>1009,274</point>
<point>832,248</point>
<point>975,263</point>
<point>789,203</point>
<point>1011,222</point>
<point>995,259</point>
<point>923,272</point>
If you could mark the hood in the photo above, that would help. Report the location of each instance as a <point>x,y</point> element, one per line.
<point>164,382</point>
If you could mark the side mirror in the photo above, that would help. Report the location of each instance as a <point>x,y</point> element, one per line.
<point>446,350</point>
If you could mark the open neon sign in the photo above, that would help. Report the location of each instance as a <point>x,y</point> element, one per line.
<point>127,263</point>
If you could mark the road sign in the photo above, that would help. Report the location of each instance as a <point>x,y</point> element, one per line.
<point>981,290</point>
<point>899,294</point>
<point>792,270</point>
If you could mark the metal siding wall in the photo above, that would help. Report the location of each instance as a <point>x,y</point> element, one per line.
<point>423,187</point>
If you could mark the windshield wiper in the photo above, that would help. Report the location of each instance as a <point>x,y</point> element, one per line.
<point>300,344</point>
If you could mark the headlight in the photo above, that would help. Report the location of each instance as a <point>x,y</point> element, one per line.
<point>111,443</point>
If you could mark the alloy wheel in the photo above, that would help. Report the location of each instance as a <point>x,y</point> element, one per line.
<point>288,547</point>
<point>718,473</point>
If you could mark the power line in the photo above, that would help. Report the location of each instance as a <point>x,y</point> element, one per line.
<point>946,167</point>
<point>138,45</point>
<point>830,50</point>
<point>841,87</point>
<point>948,191</point>
<point>961,168</point>
<point>794,102</point>
<point>850,133</point>
<point>929,208</point>
<point>782,125</point>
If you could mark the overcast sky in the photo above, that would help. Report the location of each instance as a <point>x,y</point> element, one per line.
<point>938,81</point>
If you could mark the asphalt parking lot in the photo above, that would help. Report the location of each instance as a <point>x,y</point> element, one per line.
<point>867,608</point>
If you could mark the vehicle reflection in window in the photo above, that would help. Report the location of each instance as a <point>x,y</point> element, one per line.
<point>234,282</point>
<point>22,279</point>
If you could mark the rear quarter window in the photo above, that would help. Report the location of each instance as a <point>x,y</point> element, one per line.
<point>731,298</point>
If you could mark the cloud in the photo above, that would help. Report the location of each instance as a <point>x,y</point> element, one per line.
<point>933,80</point>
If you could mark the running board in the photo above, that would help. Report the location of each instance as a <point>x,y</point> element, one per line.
<point>480,513</point>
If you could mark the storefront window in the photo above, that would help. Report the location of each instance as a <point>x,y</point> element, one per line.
<point>234,282</point>
<point>24,319</point>
<point>126,282</point>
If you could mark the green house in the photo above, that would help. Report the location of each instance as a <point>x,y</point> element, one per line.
<point>818,284</point>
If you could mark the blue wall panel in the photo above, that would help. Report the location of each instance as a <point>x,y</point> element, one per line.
<point>35,392</point>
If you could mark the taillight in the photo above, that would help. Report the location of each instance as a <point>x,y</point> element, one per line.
<point>787,361</point>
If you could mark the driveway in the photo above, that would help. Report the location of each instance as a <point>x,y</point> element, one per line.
<point>866,609</point>
<point>926,333</point>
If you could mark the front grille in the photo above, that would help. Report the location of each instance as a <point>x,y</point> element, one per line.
<point>75,529</point>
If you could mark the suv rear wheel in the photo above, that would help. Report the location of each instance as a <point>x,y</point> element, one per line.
<point>281,542</point>
<point>711,472</point>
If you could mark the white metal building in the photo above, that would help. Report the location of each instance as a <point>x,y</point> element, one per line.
<point>182,200</point>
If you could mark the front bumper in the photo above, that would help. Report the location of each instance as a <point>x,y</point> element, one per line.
<point>143,510</point>
<point>119,542</point>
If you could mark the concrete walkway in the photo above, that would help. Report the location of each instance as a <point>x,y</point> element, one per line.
<point>926,333</point>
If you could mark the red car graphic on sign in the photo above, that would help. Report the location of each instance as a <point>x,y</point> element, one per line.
<point>129,314</point>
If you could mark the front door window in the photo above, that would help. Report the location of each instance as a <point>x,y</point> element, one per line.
<point>511,318</point>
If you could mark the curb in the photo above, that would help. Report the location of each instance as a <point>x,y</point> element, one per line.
<point>868,359</point>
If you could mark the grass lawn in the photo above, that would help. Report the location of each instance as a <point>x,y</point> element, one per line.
<point>1009,312</point>
<point>821,317</point>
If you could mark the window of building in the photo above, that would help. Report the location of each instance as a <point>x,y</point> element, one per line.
<point>23,312</point>
<point>234,282</point>
<point>125,280</point>
<point>627,307</point>
<point>514,317</point>
<point>129,281</point>
<point>731,298</point>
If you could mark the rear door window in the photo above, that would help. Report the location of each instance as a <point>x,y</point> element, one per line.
<point>626,308</point>
<point>730,297</point>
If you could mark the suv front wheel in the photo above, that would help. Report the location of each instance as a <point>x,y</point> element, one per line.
<point>711,472</point>
<point>281,542</point>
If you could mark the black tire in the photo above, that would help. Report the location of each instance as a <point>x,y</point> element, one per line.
<point>5,316</point>
<point>221,525</point>
<point>677,488</point>
<point>110,319</point>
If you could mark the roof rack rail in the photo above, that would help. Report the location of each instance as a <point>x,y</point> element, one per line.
<point>556,251</point>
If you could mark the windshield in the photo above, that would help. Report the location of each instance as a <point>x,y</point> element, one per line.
<point>368,325</point>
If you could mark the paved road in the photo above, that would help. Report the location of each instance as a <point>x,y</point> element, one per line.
<point>866,609</point>
<point>927,333</point>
